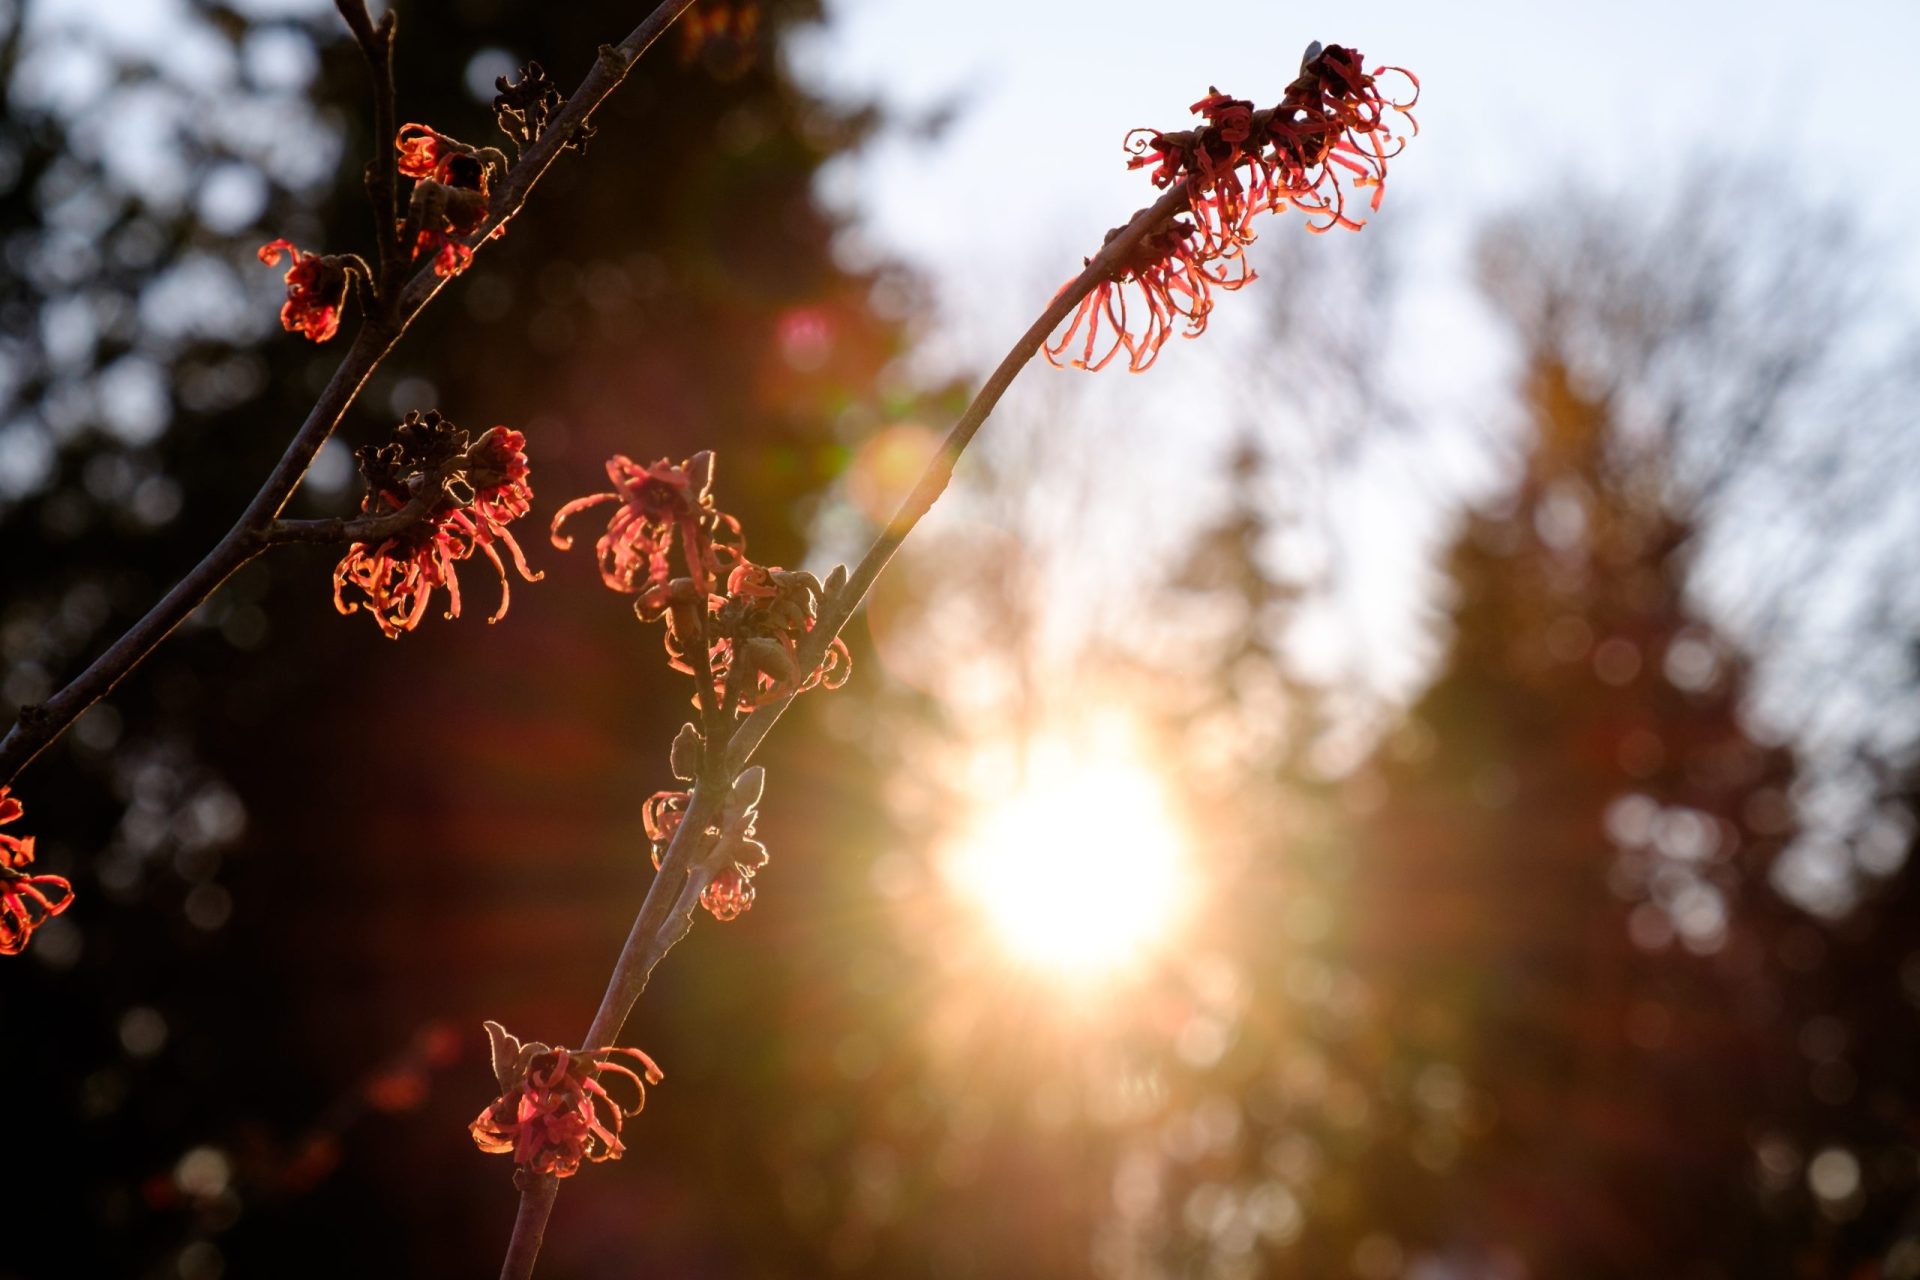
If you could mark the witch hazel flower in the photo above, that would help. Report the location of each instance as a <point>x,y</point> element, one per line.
<point>1332,129</point>
<point>27,901</point>
<point>555,1110</point>
<point>452,192</point>
<point>754,633</point>
<point>735,856</point>
<point>657,506</point>
<point>316,288</point>
<point>473,491</point>
<point>1167,282</point>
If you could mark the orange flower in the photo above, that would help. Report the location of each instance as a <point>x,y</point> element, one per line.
<point>1332,124</point>
<point>1171,280</point>
<point>657,504</point>
<point>754,633</point>
<point>26,901</point>
<point>739,857</point>
<point>451,193</point>
<point>553,1111</point>
<point>483,488</point>
<point>316,288</point>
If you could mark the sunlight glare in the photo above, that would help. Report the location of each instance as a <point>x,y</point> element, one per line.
<point>1077,865</point>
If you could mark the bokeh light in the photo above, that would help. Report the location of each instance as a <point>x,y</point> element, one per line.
<point>1075,862</point>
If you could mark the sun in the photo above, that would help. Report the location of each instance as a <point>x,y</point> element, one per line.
<point>1075,863</point>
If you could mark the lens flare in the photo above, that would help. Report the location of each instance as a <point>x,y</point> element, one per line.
<point>1077,866</point>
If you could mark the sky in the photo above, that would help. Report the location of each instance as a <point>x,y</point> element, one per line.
<point>1516,93</point>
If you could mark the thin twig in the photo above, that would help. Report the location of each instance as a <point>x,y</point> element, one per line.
<point>429,490</point>
<point>835,612</point>
<point>39,726</point>
<point>383,176</point>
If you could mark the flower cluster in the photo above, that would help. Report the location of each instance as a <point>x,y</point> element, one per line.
<point>736,856</point>
<point>751,629</point>
<point>1173,279</point>
<point>26,901</point>
<point>754,632</point>
<point>316,288</point>
<point>553,1111</point>
<point>659,504</point>
<point>468,494</point>
<point>1332,123</point>
<point>451,194</point>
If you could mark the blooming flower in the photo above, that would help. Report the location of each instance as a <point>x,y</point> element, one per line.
<point>451,193</point>
<point>660,817</point>
<point>316,288</point>
<point>481,489</point>
<point>1171,280</point>
<point>26,901</point>
<point>754,632</point>
<point>735,852</point>
<point>658,504</point>
<point>728,895</point>
<point>1331,121</point>
<point>1333,113</point>
<point>553,1111</point>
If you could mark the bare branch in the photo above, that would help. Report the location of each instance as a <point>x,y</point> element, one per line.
<point>836,611</point>
<point>383,181</point>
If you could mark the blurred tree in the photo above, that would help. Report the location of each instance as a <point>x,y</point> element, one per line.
<point>1522,995</point>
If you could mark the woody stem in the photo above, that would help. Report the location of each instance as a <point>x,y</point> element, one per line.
<point>934,478</point>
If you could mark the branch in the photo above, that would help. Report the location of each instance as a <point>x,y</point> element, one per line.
<point>39,726</point>
<point>383,179</point>
<point>666,914</point>
<point>835,613</point>
<point>431,490</point>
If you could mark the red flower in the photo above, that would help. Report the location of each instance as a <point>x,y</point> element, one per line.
<point>1171,280</point>
<point>1334,112</point>
<point>729,894</point>
<point>316,288</point>
<point>25,901</point>
<point>483,487</point>
<point>398,576</point>
<point>754,633</point>
<point>1211,157</point>
<point>657,504</point>
<point>660,816</point>
<point>1331,122</point>
<point>553,1111</point>
<point>422,150</point>
<point>451,193</point>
